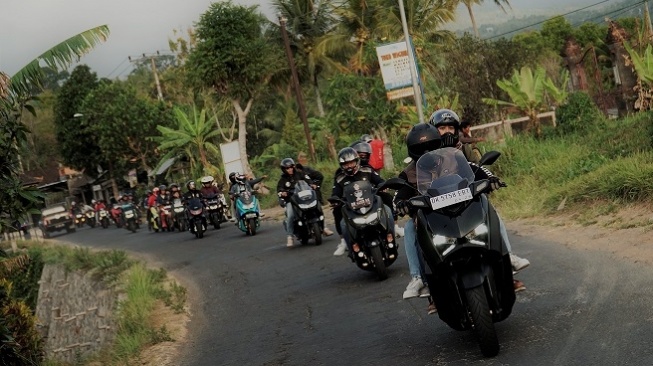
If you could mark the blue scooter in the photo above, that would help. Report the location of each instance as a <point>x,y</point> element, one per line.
<point>247,211</point>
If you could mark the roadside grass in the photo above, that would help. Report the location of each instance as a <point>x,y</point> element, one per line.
<point>139,287</point>
<point>587,175</point>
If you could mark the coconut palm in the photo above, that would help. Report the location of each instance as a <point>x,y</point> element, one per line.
<point>308,22</point>
<point>192,139</point>
<point>470,3</point>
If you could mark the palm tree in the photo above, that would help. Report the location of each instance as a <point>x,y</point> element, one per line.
<point>192,139</point>
<point>308,22</point>
<point>468,5</point>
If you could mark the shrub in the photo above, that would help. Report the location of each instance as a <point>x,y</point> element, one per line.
<point>22,345</point>
<point>578,114</point>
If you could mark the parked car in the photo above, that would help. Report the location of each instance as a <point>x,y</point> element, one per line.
<point>56,218</point>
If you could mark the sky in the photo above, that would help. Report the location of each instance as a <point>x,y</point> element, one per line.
<point>30,27</point>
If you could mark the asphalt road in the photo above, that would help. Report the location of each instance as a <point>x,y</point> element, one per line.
<point>256,302</point>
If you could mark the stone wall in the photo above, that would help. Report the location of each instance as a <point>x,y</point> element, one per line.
<point>75,314</point>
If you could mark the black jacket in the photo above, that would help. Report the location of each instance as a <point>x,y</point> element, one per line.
<point>363,173</point>
<point>287,182</point>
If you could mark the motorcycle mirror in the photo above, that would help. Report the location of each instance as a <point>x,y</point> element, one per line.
<point>489,158</point>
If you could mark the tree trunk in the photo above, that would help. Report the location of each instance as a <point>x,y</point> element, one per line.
<point>242,133</point>
<point>318,98</point>
<point>471,16</point>
<point>331,146</point>
<point>114,184</point>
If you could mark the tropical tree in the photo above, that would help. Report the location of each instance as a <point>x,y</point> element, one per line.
<point>193,139</point>
<point>234,58</point>
<point>16,93</point>
<point>308,22</point>
<point>643,64</point>
<point>469,3</point>
<point>527,91</point>
<point>121,122</point>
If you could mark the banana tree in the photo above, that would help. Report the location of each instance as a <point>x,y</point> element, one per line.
<point>643,64</point>
<point>15,94</point>
<point>528,92</point>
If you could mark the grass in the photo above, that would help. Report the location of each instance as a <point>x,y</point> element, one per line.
<point>140,287</point>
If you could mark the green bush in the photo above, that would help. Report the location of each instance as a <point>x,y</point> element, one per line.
<point>21,344</point>
<point>579,114</point>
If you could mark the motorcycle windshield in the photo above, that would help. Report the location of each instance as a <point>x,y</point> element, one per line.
<point>194,204</point>
<point>359,196</point>
<point>443,171</point>
<point>303,192</point>
<point>246,197</point>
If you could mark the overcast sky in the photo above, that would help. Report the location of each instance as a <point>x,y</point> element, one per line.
<point>30,27</point>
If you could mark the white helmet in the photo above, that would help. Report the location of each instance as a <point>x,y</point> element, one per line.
<point>207,180</point>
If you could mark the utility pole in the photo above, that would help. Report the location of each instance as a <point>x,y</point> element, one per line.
<point>298,90</point>
<point>156,75</point>
<point>413,68</point>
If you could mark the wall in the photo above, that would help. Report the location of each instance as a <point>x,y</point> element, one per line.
<point>74,312</point>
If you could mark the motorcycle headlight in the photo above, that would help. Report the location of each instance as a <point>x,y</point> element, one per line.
<point>443,244</point>
<point>479,235</point>
<point>304,206</point>
<point>248,206</point>
<point>367,220</point>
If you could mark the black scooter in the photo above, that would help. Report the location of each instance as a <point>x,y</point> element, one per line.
<point>214,211</point>
<point>196,218</point>
<point>309,218</point>
<point>369,228</point>
<point>468,268</point>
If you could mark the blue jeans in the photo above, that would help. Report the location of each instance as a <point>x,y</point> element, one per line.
<point>290,219</point>
<point>412,252</point>
<point>391,227</point>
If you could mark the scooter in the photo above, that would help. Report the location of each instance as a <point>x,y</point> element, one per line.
<point>104,218</point>
<point>179,214</point>
<point>214,211</point>
<point>247,211</point>
<point>309,218</point>
<point>130,216</point>
<point>196,218</point>
<point>90,218</point>
<point>468,268</point>
<point>368,225</point>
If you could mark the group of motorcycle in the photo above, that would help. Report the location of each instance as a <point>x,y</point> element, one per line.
<point>467,264</point>
<point>126,215</point>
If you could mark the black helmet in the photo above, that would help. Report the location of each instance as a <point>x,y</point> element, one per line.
<point>232,177</point>
<point>446,117</point>
<point>347,155</point>
<point>422,138</point>
<point>163,187</point>
<point>286,163</point>
<point>364,151</point>
<point>190,185</point>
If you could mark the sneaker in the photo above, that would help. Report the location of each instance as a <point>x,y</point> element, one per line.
<point>327,231</point>
<point>290,242</point>
<point>424,291</point>
<point>340,250</point>
<point>232,219</point>
<point>518,263</point>
<point>262,214</point>
<point>399,231</point>
<point>413,288</point>
<point>518,285</point>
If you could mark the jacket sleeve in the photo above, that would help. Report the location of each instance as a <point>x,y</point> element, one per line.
<point>405,192</point>
<point>253,182</point>
<point>315,175</point>
<point>480,172</point>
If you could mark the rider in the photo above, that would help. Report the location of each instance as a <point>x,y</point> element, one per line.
<point>209,189</point>
<point>192,191</point>
<point>163,200</point>
<point>152,207</point>
<point>290,175</point>
<point>240,183</point>
<point>351,171</point>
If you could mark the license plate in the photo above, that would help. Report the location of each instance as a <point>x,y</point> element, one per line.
<point>250,215</point>
<point>451,198</point>
<point>59,225</point>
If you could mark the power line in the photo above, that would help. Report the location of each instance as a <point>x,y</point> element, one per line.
<point>609,14</point>
<point>114,70</point>
<point>540,22</point>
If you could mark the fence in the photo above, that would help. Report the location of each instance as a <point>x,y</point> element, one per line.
<point>499,129</point>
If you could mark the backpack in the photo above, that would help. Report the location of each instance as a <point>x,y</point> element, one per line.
<point>376,158</point>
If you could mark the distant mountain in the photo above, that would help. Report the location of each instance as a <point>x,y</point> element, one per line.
<point>523,13</point>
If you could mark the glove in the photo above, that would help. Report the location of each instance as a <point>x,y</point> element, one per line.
<point>402,208</point>
<point>496,183</point>
<point>282,203</point>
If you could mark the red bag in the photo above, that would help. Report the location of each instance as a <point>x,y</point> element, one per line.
<point>376,159</point>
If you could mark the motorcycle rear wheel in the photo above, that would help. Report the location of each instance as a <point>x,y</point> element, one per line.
<point>483,324</point>
<point>216,221</point>
<point>379,264</point>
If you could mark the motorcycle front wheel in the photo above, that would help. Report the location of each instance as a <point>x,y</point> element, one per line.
<point>482,318</point>
<point>379,264</point>
<point>251,226</point>
<point>199,233</point>
<point>317,233</point>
